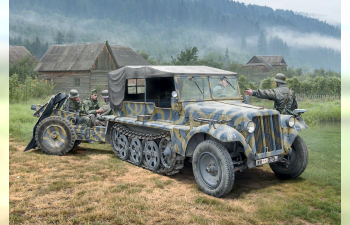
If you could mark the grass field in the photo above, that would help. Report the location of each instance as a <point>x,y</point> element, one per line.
<point>90,185</point>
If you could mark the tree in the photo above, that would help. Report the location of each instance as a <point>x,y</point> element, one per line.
<point>187,57</point>
<point>70,36</point>
<point>226,58</point>
<point>262,43</point>
<point>59,39</point>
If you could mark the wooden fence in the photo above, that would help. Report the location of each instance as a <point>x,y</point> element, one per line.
<point>302,97</point>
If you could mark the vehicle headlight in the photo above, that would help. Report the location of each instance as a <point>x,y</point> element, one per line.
<point>174,94</point>
<point>291,121</point>
<point>249,127</point>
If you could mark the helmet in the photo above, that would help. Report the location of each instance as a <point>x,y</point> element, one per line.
<point>280,78</point>
<point>73,93</point>
<point>105,94</point>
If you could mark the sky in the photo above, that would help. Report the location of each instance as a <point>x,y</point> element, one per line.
<point>324,10</point>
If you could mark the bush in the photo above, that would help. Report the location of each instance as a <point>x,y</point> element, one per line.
<point>31,88</point>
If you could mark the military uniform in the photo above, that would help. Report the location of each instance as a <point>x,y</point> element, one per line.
<point>107,110</point>
<point>90,108</point>
<point>219,91</point>
<point>70,105</point>
<point>279,95</point>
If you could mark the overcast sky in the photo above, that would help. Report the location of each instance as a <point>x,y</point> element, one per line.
<point>328,10</point>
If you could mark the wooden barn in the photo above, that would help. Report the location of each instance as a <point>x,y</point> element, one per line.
<point>263,64</point>
<point>84,66</point>
<point>17,53</point>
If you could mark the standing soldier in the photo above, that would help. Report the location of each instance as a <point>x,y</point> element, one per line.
<point>106,109</point>
<point>92,107</point>
<point>73,103</point>
<point>284,98</point>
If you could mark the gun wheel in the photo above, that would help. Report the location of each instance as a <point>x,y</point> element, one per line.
<point>55,136</point>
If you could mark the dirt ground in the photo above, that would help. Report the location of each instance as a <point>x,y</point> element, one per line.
<point>92,186</point>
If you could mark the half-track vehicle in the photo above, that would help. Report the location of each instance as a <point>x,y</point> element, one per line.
<point>166,114</point>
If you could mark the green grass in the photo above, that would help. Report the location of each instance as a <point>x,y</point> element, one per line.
<point>82,189</point>
<point>316,195</point>
<point>317,110</point>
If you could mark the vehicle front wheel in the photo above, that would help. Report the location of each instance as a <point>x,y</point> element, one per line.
<point>298,160</point>
<point>213,169</point>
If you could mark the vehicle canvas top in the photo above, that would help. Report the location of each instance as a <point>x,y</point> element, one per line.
<point>116,78</point>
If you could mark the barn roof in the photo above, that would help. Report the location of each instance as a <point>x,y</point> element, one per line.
<point>16,53</point>
<point>269,61</point>
<point>72,57</point>
<point>124,56</point>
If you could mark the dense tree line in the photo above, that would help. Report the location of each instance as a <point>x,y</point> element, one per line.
<point>162,27</point>
<point>215,15</point>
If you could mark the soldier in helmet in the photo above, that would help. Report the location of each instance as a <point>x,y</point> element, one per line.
<point>92,108</point>
<point>284,98</point>
<point>219,90</point>
<point>73,103</point>
<point>106,110</point>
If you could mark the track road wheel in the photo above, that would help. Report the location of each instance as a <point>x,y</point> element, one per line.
<point>298,160</point>
<point>55,136</point>
<point>213,169</point>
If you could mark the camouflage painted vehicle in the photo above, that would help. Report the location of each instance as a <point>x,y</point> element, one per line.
<point>58,131</point>
<point>166,114</point>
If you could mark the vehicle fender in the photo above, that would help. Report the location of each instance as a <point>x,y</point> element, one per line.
<point>290,133</point>
<point>221,132</point>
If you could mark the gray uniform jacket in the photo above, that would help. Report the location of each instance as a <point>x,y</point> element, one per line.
<point>279,96</point>
<point>219,91</point>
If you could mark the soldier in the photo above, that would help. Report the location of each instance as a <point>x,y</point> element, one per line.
<point>106,110</point>
<point>92,107</point>
<point>73,103</point>
<point>219,90</point>
<point>284,98</point>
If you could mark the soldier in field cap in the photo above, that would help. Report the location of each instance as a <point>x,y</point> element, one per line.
<point>284,98</point>
<point>106,110</point>
<point>92,108</point>
<point>72,103</point>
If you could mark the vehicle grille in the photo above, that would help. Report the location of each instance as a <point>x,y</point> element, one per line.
<point>270,131</point>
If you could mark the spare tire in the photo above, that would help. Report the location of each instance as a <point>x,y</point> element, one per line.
<point>55,136</point>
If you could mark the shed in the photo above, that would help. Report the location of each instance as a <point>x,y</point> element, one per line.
<point>264,64</point>
<point>17,53</point>
<point>125,56</point>
<point>83,66</point>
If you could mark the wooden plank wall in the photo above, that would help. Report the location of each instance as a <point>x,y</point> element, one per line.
<point>104,61</point>
<point>65,81</point>
<point>99,80</point>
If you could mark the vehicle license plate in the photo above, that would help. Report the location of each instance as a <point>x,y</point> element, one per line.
<point>266,160</point>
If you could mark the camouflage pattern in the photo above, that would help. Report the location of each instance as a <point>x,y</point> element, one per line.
<point>82,131</point>
<point>271,137</point>
<point>279,96</point>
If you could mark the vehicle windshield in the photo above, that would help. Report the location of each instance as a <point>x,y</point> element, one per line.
<point>224,87</point>
<point>193,88</point>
